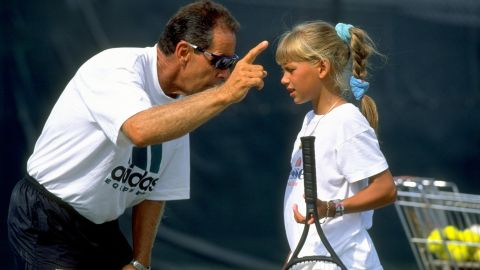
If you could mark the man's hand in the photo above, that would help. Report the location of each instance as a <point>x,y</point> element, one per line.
<point>245,75</point>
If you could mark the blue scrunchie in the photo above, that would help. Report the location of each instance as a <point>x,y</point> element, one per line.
<point>343,31</point>
<point>359,87</point>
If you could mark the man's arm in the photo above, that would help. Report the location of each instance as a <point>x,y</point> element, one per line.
<point>145,219</point>
<point>170,121</point>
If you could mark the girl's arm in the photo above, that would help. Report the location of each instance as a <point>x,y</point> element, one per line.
<point>380,192</point>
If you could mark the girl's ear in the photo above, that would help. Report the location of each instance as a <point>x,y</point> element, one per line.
<point>323,68</point>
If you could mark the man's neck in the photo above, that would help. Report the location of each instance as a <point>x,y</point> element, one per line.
<point>166,73</point>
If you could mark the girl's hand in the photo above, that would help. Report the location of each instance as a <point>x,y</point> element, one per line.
<point>299,218</point>
<point>322,212</point>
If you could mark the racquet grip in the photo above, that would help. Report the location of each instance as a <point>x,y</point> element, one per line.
<point>309,172</point>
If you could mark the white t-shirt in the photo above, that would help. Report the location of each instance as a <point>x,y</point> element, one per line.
<point>346,154</point>
<point>83,157</point>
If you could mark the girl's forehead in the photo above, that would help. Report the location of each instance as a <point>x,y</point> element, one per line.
<point>290,62</point>
<point>294,63</point>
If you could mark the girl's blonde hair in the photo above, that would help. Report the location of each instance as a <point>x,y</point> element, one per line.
<point>316,41</point>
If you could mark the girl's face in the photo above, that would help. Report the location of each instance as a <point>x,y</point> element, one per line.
<point>301,80</point>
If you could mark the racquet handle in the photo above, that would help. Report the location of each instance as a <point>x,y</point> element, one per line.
<point>309,173</point>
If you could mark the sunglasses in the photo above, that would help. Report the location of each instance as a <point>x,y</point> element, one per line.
<point>218,61</point>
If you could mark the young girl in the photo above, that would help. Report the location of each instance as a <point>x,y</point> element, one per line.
<point>352,173</point>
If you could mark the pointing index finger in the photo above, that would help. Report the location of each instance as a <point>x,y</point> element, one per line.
<point>254,52</point>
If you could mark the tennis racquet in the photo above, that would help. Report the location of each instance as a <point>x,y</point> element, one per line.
<point>331,262</point>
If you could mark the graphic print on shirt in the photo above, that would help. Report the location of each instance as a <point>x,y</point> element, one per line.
<point>296,174</point>
<point>141,175</point>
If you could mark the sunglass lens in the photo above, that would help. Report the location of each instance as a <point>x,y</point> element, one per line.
<point>226,62</point>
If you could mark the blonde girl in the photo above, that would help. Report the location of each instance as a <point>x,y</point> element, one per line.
<point>353,177</point>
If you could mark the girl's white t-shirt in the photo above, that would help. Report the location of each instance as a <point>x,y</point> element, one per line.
<point>346,154</point>
<point>83,157</point>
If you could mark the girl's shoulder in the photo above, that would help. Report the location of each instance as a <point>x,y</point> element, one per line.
<point>348,113</point>
<point>348,120</point>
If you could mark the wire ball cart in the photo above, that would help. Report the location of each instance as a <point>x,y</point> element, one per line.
<point>442,225</point>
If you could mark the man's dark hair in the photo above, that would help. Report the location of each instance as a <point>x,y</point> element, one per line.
<point>194,23</point>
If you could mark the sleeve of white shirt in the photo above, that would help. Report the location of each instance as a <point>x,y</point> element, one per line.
<point>112,96</point>
<point>360,157</point>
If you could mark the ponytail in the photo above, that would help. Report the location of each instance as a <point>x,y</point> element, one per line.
<point>361,47</point>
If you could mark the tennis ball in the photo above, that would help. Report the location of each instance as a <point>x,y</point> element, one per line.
<point>434,241</point>
<point>458,252</point>
<point>472,240</point>
<point>451,232</point>
<point>469,235</point>
<point>442,255</point>
<point>476,255</point>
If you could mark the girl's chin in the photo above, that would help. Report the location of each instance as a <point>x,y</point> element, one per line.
<point>299,101</point>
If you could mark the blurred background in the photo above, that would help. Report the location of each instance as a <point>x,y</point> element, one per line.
<point>427,93</point>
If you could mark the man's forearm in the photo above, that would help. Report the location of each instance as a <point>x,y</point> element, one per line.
<point>145,219</point>
<point>166,122</point>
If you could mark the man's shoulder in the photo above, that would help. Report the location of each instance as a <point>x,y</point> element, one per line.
<point>118,53</point>
<point>134,58</point>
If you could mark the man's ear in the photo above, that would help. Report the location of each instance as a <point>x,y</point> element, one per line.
<point>183,52</point>
<point>323,67</point>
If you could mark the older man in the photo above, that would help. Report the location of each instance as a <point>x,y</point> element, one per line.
<point>118,138</point>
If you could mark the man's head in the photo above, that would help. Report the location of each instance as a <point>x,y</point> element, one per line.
<point>194,23</point>
<point>199,42</point>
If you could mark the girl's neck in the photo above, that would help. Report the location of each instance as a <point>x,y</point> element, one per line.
<point>326,102</point>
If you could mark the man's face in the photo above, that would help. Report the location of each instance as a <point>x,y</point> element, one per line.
<point>200,74</point>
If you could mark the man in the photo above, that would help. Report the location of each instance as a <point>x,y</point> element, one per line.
<point>118,138</point>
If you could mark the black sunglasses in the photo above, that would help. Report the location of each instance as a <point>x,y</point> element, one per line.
<point>218,61</point>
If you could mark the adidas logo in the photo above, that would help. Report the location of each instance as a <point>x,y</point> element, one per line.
<point>140,175</point>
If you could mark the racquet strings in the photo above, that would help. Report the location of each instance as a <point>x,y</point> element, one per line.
<point>315,265</point>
